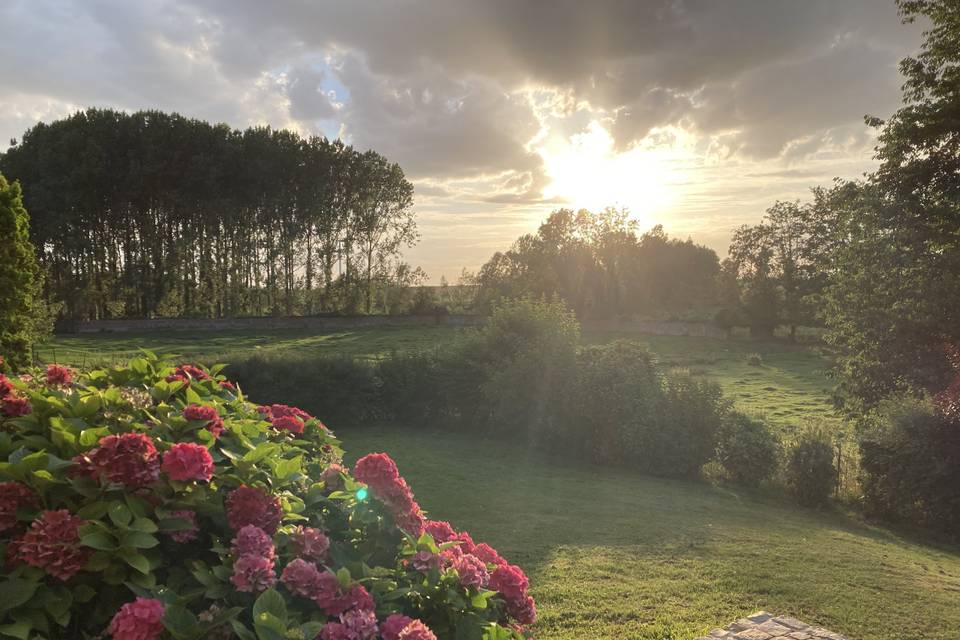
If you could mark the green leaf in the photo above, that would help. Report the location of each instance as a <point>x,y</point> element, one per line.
<point>139,540</point>
<point>99,541</point>
<point>19,630</point>
<point>269,627</point>
<point>135,560</point>
<point>242,632</point>
<point>15,591</point>
<point>119,514</point>
<point>193,397</point>
<point>270,602</point>
<point>146,525</point>
<point>260,452</point>
<point>180,622</point>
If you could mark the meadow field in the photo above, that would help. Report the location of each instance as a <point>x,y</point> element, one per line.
<point>615,555</point>
<point>789,386</point>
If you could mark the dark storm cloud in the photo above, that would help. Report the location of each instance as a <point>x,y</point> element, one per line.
<point>441,85</point>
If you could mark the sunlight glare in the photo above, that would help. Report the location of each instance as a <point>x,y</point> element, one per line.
<point>586,171</point>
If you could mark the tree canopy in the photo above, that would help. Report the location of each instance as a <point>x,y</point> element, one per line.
<point>151,213</point>
<point>18,277</point>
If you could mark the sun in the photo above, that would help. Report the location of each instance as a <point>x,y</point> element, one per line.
<point>587,172</point>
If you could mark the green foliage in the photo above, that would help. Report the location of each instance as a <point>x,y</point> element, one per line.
<point>615,555</point>
<point>755,360</point>
<point>910,465</point>
<point>19,278</point>
<point>133,537</point>
<point>810,469</point>
<point>601,268</point>
<point>150,213</point>
<point>748,450</point>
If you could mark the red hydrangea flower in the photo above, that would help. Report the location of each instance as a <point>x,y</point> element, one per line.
<point>15,406</point>
<point>333,603</point>
<point>58,375</point>
<point>13,496</point>
<point>185,535</point>
<point>252,540</point>
<point>488,554</point>
<point>425,561</point>
<point>511,583</point>
<point>440,530</point>
<point>379,472</point>
<point>249,505</point>
<point>327,593</point>
<point>129,459</point>
<point>282,410</point>
<point>391,627</point>
<point>416,630</point>
<point>187,372</point>
<point>52,543</point>
<point>288,423</point>
<point>208,415</point>
<point>253,574</point>
<point>226,384</point>
<point>310,543</point>
<point>187,461</point>
<point>472,571</point>
<point>138,620</point>
<point>301,578</point>
<point>6,387</point>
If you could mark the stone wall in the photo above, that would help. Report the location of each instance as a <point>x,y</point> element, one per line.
<point>697,329</point>
<point>313,323</point>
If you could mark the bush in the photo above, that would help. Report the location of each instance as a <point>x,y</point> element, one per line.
<point>810,471</point>
<point>342,389</point>
<point>910,465</point>
<point>152,501</point>
<point>524,360</point>
<point>689,415</point>
<point>612,413</point>
<point>747,449</point>
<point>755,360</point>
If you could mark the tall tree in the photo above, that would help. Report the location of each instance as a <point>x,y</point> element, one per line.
<point>896,299</point>
<point>19,278</point>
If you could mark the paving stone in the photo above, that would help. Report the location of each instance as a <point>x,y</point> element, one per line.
<point>766,626</point>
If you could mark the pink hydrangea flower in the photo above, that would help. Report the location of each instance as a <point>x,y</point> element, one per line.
<point>129,459</point>
<point>14,496</point>
<point>472,571</point>
<point>15,406</point>
<point>185,535</point>
<point>379,472</point>
<point>59,376</point>
<point>249,505</point>
<point>416,630</point>
<point>187,372</point>
<point>6,387</point>
<point>206,414</point>
<point>186,461</point>
<point>310,543</point>
<point>327,593</point>
<point>52,543</point>
<point>332,477</point>
<point>252,540</point>
<point>253,574</point>
<point>425,561</point>
<point>488,554</point>
<point>440,531</point>
<point>511,582</point>
<point>391,627</point>
<point>138,620</point>
<point>301,578</point>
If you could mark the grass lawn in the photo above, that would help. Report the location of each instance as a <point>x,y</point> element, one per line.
<point>789,387</point>
<point>362,343</point>
<point>620,556</point>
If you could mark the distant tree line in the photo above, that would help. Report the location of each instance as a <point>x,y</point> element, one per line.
<point>603,267</point>
<point>150,213</point>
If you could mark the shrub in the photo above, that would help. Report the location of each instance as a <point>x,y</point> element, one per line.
<point>155,501</point>
<point>810,471</point>
<point>748,450</point>
<point>524,360</point>
<point>755,360</point>
<point>612,411</point>
<point>340,388</point>
<point>910,464</point>
<point>689,416</point>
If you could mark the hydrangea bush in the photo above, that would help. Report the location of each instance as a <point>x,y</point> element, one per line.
<point>155,501</point>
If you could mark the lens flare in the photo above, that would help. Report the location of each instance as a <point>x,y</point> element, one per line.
<point>362,494</point>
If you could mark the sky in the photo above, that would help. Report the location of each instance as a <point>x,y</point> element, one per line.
<point>693,114</point>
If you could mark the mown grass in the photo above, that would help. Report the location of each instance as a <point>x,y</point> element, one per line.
<point>615,555</point>
<point>790,387</point>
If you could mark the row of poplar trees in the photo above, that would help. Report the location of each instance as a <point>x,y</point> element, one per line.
<point>154,214</point>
